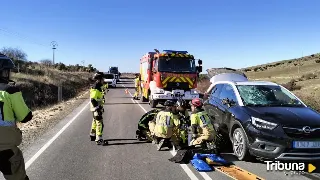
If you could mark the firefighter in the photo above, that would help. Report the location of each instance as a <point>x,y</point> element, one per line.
<point>165,121</point>
<point>13,109</point>
<point>104,90</point>
<point>136,86</point>
<point>201,125</point>
<point>143,125</point>
<point>96,96</point>
<point>180,133</point>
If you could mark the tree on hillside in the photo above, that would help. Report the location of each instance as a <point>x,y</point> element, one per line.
<point>14,53</point>
<point>91,69</point>
<point>46,62</point>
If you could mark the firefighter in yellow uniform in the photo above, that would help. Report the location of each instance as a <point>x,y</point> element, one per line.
<point>137,86</point>
<point>13,109</point>
<point>202,128</point>
<point>104,91</point>
<point>163,128</point>
<point>96,104</point>
<point>180,132</point>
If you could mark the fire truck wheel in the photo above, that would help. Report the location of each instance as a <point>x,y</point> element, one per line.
<point>153,103</point>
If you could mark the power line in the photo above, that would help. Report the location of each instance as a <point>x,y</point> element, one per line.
<point>10,32</point>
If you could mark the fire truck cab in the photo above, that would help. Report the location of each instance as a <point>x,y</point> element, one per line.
<point>168,75</point>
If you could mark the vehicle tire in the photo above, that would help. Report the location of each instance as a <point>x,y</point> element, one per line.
<point>153,103</point>
<point>240,145</point>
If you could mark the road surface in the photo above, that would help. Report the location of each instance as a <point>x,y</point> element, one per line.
<point>66,153</point>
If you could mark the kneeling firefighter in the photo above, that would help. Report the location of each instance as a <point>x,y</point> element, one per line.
<point>165,122</point>
<point>181,132</point>
<point>96,96</point>
<point>201,126</point>
<point>143,125</point>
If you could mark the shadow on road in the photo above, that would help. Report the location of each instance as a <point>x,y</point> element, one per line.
<point>139,142</point>
<point>122,103</point>
<point>121,139</point>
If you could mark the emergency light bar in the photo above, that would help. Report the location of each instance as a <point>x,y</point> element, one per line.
<point>175,52</point>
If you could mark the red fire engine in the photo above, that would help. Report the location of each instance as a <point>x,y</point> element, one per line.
<point>168,75</point>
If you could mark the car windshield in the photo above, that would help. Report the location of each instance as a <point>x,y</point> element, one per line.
<point>114,70</point>
<point>108,76</point>
<point>267,95</point>
<point>177,65</point>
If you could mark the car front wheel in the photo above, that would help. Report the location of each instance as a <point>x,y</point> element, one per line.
<point>240,145</point>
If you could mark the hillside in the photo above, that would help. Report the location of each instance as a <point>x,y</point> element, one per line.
<point>39,82</point>
<point>300,75</point>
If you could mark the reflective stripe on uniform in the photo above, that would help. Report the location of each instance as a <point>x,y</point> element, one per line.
<point>204,121</point>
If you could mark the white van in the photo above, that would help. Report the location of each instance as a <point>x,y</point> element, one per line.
<point>110,79</point>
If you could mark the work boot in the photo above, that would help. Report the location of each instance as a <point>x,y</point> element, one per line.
<point>99,142</point>
<point>159,146</point>
<point>92,137</point>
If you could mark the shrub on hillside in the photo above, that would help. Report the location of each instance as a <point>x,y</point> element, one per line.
<point>309,76</point>
<point>291,85</point>
<point>317,61</point>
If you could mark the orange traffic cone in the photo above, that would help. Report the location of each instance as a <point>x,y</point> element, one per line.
<point>126,91</point>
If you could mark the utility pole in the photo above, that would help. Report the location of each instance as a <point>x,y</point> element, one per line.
<point>82,62</point>
<point>54,45</point>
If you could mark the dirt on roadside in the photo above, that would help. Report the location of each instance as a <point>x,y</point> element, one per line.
<point>46,118</point>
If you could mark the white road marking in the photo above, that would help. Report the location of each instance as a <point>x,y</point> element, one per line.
<point>34,157</point>
<point>173,153</point>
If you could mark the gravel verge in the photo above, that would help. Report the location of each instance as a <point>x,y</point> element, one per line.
<point>46,118</point>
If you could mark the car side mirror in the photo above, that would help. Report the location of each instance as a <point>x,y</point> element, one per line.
<point>228,102</point>
<point>225,101</point>
<point>199,69</point>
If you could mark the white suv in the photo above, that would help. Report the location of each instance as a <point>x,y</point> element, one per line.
<point>110,79</point>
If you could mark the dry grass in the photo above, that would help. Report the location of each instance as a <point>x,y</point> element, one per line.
<point>301,76</point>
<point>41,89</point>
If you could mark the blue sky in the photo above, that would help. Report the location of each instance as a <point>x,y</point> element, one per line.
<point>232,33</point>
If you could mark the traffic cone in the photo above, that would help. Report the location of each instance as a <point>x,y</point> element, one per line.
<point>126,91</point>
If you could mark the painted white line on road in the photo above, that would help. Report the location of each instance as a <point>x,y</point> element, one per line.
<point>34,157</point>
<point>173,153</point>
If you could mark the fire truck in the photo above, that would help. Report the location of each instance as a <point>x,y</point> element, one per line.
<point>168,75</point>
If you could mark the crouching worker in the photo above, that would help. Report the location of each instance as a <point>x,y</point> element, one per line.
<point>143,125</point>
<point>202,128</point>
<point>180,133</point>
<point>165,122</point>
<point>96,96</point>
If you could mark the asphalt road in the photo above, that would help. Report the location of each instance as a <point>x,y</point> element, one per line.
<point>66,153</point>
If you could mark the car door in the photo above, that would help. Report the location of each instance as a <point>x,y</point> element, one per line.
<point>225,116</point>
<point>211,105</point>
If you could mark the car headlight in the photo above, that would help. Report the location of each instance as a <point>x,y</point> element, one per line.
<point>262,124</point>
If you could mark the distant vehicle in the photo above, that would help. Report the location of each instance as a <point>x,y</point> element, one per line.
<point>115,70</point>
<point>110,79</point>
<point>168,75</point>
<point>262,119</point>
